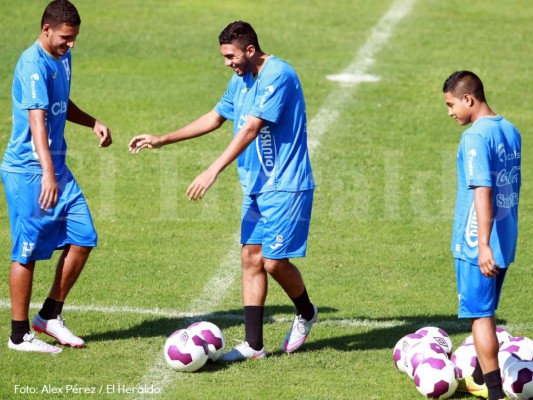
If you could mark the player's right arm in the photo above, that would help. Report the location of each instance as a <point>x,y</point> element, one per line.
<point>205,124</point>
<point>49,188</point>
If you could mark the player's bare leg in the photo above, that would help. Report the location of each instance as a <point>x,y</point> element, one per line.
<point>487,347</point>
<point>69,267</point>
<point>289,278</point>
<point>486,343</point>
<point>286,275</point>
<point>254,276</point>
<point>20,287</point>
<point>254,291</point>
<point>48,320</point>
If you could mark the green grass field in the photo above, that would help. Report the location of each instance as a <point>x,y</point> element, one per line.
<point>378,264</point>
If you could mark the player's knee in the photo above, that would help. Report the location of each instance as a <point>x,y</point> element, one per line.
<point>275,267</point>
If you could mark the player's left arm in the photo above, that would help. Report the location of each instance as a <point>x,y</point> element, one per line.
<point>80,117</point>
<point>484,214</point>
<point>240,142</point>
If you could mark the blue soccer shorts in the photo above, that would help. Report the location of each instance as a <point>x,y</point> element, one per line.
<point>478,295</point>
<point>36,233</point>
<point>278,221</point>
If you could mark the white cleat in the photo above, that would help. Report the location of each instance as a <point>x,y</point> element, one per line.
<point>298,333</point>
<point>242,352</point>
<point>31,343</point>
<point>56,328</point>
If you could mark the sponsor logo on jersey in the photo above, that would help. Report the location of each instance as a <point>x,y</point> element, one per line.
<point>471,154</point>
<point>471,228</point>
<point>33,79</point>
<point>508,177</point>
<point>266,150</point>
<point>59,107</point>
<point>67,68</point>
<point>268,91</point>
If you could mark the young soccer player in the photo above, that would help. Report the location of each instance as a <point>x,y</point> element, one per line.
<point>486,219</point>
<point>47,210</point>
<point>264,99</point>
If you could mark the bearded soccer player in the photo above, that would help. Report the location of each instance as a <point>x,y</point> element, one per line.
<point>264,99</point>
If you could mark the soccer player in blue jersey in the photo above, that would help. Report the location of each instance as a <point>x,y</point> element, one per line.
<point>47,210</point>
<point>486,219</point>
<point>264,99</point>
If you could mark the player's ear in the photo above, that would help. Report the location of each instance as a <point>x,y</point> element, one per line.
<point>468,99</point>
<point>250,50</point>
<point>46,29</point>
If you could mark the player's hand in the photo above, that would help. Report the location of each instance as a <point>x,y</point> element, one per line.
<point>144,141</point>
<point>486,262</point>
<point>103,133</point>
<point>201,184</point>
<point>49,191</point>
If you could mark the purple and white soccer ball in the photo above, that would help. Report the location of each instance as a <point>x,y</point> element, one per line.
<point>438,336</point>
<point>185,351</point>
<point>401,348</point>
<point>521,346</point>
<point>435,378</point>
<point>420,352</point>
<point>464,358</point>
<point>212,335</point>
<point>518,381</point>
<point>502,335</point>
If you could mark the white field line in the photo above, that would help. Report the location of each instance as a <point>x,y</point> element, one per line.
<point>215,290</point>
<point>356,72</point>
<point>451,324</point>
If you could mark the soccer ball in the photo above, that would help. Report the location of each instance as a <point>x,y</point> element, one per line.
<point>401,347</point>
<point>502,335</point>
<point>435,378</point>
<point>438,336</point>
<point>420,352</point>
<point>185,351</point>
<point>464,358</point>
<point>212,335</point>
<point>506,358</point>
<point>518,380</point>
<point>521,346</point>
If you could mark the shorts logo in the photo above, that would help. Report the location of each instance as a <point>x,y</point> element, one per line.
<point>27,249</point>
<point>279,242</point>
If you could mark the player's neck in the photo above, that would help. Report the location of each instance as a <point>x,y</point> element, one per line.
<point>43,46</point>
<point>261,60</point>
<point>483,111</point>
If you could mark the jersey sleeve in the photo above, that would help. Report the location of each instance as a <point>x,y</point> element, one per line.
<point>476,162</point>
<point>271,97</point>
<point>34,92</point>
<point>225,106</point>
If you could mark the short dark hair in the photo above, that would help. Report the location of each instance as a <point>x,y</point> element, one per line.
<point>239,33</point>
<point>60,12</point>
<point>464,82</point>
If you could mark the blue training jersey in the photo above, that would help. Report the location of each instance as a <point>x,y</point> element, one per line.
<point>41,81</point>
<point>278,159</point>
<point>489,155</point>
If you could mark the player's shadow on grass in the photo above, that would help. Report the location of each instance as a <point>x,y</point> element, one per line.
<point>164,326</point>
<point>384,333</point>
